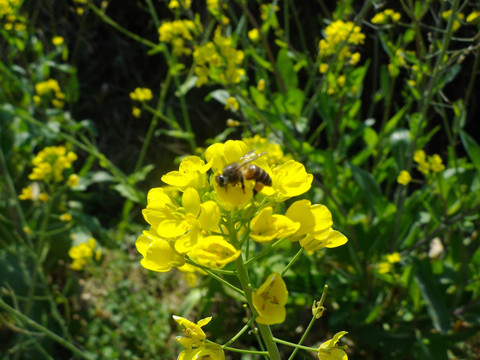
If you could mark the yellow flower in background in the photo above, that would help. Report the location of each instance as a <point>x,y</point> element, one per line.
<point>385,17</point>
<point>330,350</point>
<point>273,153</point>
<point>73,180</point>
<point>340,38</point>
<point>47,86</point>
<point>141,94</point>
<point>458,17</point>
<point>394,258</point>
<point>66,217</point>
<point>419,156</point>
<point>269,300</point>
<point>426,163</point>
<point>267,226</point>
<point>27,193</point>
<point>474,16</point>
<point>184,4</point>
<point>136,112</point>
<point>82,254</point>
<point>232,103</point>
<point>254,35</point>
<point>191,173</point>
<point>384,267</point>
<point>404,178</point>
<point>261,86</point>
<point>57,40</point>
<point>436,164</point>
<point>219,60</point>
<point>50,163</point>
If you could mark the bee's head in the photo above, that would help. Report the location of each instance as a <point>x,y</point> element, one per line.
<point>221,180</point>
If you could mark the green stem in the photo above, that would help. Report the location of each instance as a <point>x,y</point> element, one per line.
<point>242,330</point>
<point>29,322</point>
<point>292,261</point>
<point>108,20</point>
<point>283,342</point>
<point>309,327</point>
<point>247,287</point>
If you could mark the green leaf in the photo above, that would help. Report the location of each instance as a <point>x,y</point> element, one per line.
<point>433,297</point>
<point>129,192</point>
<point>368,185</point>
<point>472,149</point>
<point>186,86</point>
<point>285,67</point>
<point>220,95</point>
<point>141,174</point>
<point>393,122</point>
<point>261,61</point>
<point>291,102</point>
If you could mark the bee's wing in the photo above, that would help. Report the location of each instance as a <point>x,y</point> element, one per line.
<point>249,157</point>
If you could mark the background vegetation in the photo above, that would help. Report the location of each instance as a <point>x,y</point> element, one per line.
<point>356,110</point>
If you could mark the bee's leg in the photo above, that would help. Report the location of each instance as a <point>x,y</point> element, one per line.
<point>243,184</point>
<point>257,188</point>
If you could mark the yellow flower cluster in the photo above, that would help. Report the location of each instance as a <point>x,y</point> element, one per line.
<point>49,167</point>
<point>387,266</point>
<point>218,60</point>
<point>339,41</point>
<point>83,253</point>
<point>8,7</point>
<point>180,4</point>
<point>340,36</point>
<point>50,163</point>
<point>177,33</point>
<point>385,17</point>
<point>425,163</point>
<point>404,178</point>
<point>45,89</point>
<point>232,103</point>
<point>194,230</point>
<point>457,21</point>
<point>273,153</point>
<point>57,40</point>
<point>141,94</point>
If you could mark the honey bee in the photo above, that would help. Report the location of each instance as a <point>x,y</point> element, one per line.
<point>240,171</point>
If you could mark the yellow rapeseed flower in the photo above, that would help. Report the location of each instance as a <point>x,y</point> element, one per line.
<point>136,112</point>
<point>141,94</point>
<point>27,193</point>
<point>82,253</point>
<point>330,350</point>
<point>404,178</point>
<point>261,85</point>
<point>385,17</point>
<point>66,217</point>
<point>57,40</point>
<point>269,300</point>
<point>473,16</point>
<point>436,164</point>
<point>232,103</point>
<point>254,35</point>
